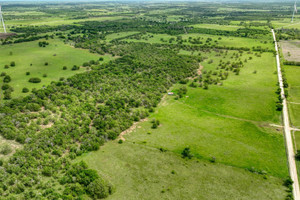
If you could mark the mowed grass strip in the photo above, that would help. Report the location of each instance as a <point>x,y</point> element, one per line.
<point>141,172</point>
<point>56,54</point>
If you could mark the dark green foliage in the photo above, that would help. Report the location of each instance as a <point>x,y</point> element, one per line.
<point>25,90</point>
<point>43,43</point>
<point>75,67</point>
<point>65,68</point>
<point>6,79</point>
<point>297,156</point>
<point>99,189</point>
<point>12,64</point>
<point>35,80</point>
<point>27,73</point>
<point>186,153</point>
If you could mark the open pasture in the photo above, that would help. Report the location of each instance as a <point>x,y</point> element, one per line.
<point>215,40</point>
<point>29,57</point>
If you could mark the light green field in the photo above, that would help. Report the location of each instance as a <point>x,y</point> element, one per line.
<point>28,53</point>
<point>225,41</point>
<point>217,27</point>
<point>141,172</point>
<point>55,21</point>
<point>286,23</point>
<point>229,123</point>
<point>292,74</point>
<point>119,35</point>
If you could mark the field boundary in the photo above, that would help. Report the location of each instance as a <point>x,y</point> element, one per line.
<point>287,129</point>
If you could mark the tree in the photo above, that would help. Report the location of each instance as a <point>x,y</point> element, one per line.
<point>35,80</point>
<point>46,63</point>
<point>7,79</point>
<point>25,90</point>
<point>12,64</point>
<point>186,153</point>
<point>75,67</point>
<point>99,189</point>
<point>65,68</point>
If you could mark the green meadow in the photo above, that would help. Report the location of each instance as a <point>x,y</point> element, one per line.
<point>228,131</point>
<point>292,74</point>
<point>217,27</point>
<point>139,171</point>
<point>29,57</point>
<point>224,41</point>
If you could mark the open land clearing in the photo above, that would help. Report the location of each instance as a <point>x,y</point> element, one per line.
<point>210,122</point>
<point>29,57</point>
<point>291,50</point>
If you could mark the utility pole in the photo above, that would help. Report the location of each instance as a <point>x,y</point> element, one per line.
<point>2,20</point>
<point>295,11</point>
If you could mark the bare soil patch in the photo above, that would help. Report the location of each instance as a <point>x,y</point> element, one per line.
<point>6,35</point>
<point>291,50</point>
<point>133,127</point>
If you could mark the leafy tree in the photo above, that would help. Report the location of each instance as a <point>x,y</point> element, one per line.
<point>35,80</point>
<point>12,64</point>
<point>25,90</point>
<point>99,189</point>
<point>186,153</point>
<point>6,79</point>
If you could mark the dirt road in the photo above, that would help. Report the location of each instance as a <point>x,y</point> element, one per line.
<point>287,130</point>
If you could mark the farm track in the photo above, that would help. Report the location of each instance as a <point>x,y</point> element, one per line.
<point>287,129</point>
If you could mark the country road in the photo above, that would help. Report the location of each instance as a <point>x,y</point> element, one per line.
<point>287,129</point>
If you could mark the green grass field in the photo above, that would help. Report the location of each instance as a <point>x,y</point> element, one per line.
<point>225,41</point>
<point>28,53</point>
<point>217,27</point>
<point>292,74</point>
<point>228,123</point>
<point>141,172</point>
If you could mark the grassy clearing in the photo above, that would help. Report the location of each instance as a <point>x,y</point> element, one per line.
<point>217,27</point>
<point>55,21</point>
<point>225,40</point>
<point>219,123</point>
<point>291,50</point>
<point>142,172</point>
<point>292,73</point>
<point>286,23</point>
<point>229,123</point>
<point>8,147</point>
<point>28,53</point>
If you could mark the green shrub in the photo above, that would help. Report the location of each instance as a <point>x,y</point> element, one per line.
<point>6,79</point>
<point>186,153</point>
<point>5,149</point>
<point>99,189</point>
<point>12,64</point>
<point>35,80</point>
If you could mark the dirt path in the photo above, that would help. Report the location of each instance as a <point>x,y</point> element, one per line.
<point>199,71</point>
<point>287,130</point>
<point>121,136</point>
